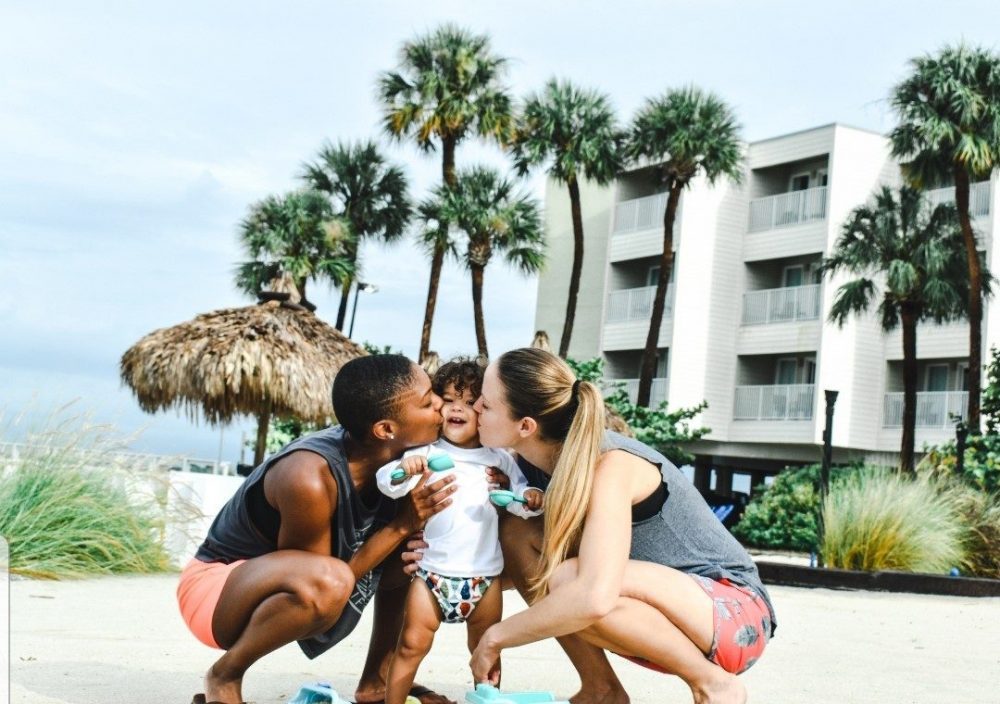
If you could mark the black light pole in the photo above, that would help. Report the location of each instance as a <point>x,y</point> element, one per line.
<point>824,477</point>
<point>961,433</point>
<point>371,288</point>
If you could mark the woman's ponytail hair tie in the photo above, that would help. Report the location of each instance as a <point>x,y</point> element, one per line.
<point>576,389</point>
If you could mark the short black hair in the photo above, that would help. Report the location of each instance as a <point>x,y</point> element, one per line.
<point>463,372</point>
<point>367,390</point>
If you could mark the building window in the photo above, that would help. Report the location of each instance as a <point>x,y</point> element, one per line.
<point>937,377</point>
<point>798,182</point>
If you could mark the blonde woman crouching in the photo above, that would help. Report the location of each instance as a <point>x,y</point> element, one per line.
<point>632,560</point>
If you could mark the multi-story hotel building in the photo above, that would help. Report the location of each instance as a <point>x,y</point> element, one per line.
<point>746,325</point>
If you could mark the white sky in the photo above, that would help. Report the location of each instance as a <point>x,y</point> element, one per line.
<point>133,137</point>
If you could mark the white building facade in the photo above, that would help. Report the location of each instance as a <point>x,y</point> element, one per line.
<point>745,327</point>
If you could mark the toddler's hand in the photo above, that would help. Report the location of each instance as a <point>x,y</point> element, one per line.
<point>535,498</point>
<point>412,465</point>
<point>497,479</point>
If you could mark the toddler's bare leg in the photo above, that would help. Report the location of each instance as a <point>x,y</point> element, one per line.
<point>488,611</point>
<point>420,622</point>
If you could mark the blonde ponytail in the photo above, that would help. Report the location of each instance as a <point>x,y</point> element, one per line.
<point>568,495</point>
<point>539,385</point>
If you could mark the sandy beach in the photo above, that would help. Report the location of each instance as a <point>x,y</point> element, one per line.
<point>121,640</point>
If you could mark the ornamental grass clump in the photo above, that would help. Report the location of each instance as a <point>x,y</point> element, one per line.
<point>880,520</point>
<point>68,510</point>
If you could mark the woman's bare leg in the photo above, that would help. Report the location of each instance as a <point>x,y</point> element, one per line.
<point>270,601</point>
<point>521,541</point>
<point>663,616</point>
<point>421,621</point>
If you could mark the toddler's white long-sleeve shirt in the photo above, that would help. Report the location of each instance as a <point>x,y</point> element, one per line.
<point>462,540</point>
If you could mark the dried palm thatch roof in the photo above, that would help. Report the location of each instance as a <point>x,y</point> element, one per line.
<point>275,358</point>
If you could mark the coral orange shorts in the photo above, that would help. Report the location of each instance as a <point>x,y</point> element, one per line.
<point>198,594</point>
<point>741,626</point>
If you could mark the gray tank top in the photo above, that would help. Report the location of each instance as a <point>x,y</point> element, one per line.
<point>685,534</point>
<point>234,535</point>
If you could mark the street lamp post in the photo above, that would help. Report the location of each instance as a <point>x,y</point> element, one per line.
<point>824,477</point>
<point>368,288</point>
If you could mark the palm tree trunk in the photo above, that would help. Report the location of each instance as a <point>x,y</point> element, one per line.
<point>975,298</point>
<point>477,309</point>
<point>909,318</point>
<point>574,278</point>
<point>448,161</point>
<point>437,263</point>
<point>659,301</point>
<point>345,294</point>
<point>260,447</point>
<point>301,286</point>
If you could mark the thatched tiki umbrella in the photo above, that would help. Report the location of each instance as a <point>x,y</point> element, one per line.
<point>271,359</point>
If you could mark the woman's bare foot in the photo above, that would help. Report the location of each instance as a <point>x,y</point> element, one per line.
<point>223,687</point>
<point>726,689</point>
<point>600,695</point>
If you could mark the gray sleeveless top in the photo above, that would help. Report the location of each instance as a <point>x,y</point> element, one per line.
<point>684,534</point>
<point>234,536</point>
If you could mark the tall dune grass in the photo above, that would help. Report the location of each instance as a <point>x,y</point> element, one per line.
<point>68,509</point>
<point>879,520</point>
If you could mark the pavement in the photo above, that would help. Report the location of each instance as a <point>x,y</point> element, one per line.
<point>120,639</point>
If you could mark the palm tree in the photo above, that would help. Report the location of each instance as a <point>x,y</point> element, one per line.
<point>576,131</point>
<point>910,257</point>
<point>495,220</point>
<point>686,132</point>
<point>949,131</point>
<point>296,235</point>
<point>448,86</point>
<point>367,192</point>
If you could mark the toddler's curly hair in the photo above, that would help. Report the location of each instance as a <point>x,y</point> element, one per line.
<point>463,372</point>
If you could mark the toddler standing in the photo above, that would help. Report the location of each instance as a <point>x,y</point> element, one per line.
<point>456,574</point>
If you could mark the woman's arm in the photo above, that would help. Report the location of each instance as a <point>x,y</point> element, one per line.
<point>593,589</point>
<point>303,491</point>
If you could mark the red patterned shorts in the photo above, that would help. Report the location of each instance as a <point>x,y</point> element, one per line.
<point>741,626</point>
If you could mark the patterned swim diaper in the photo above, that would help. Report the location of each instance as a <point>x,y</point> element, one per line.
<point>457,596</point>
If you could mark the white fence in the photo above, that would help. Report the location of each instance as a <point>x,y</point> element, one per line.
<point>774,402</point>
<point>657,392</point>
<point>10,452</point>
<point>979,197</point>
<point>787,209</point>
<point>640,213</point>
<point>637,304</point>
<point>780,305</point>
<point>935,409</point>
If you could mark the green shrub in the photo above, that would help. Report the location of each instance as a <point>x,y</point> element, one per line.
<point>784,515</point>
<point>981,519</point>
<point>880,520</point>
<point>981,462</point>
<point>66,510</point>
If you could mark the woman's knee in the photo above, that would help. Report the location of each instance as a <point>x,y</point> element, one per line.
<point>520,539</point>
<point>325,588</point>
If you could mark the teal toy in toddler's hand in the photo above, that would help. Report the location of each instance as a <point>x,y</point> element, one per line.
<point>437,463</point>
<point>503,498</point>
<point>488,694</point>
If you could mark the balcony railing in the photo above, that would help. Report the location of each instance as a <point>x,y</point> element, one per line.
<point>781,305</point>
<point>774,402</point>
<point>657,393</point>
<point>637,304</point>
<point>979,197</point>
<point>640,213</point>
<point>935,409</point>
<point>787,209</point>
